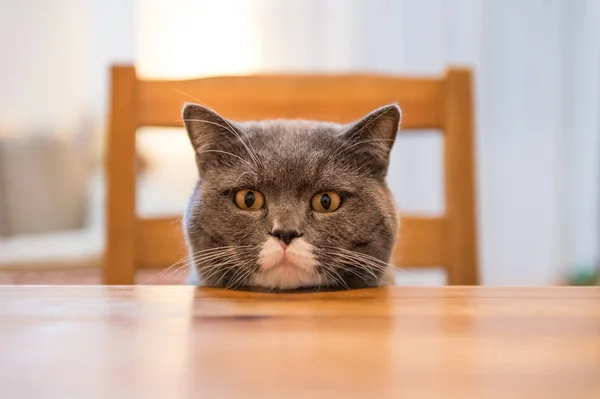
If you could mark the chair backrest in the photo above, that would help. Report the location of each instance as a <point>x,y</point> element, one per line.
<point>443,103</point>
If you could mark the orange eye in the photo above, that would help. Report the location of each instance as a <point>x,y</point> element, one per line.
<point>249,200</point>
<point>326,202</point>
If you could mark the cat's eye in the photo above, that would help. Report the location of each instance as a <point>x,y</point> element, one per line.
<point>326,202</point>
<point>249,200</point>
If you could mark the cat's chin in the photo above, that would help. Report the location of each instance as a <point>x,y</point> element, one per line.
<point>287,269</point>
<point>286,276</point>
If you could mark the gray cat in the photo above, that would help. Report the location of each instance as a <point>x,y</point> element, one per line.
<point>287,204</point>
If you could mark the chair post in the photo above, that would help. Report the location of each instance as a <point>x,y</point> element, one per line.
<point>119,258</point>
<point>459,166</point>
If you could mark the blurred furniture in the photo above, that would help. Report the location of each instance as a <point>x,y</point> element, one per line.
<point>42,184</point>
<point>46,203</point>
<point>182,342</point>
<point>443,103</point>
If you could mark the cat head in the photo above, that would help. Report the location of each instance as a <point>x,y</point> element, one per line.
<point>284,204</point>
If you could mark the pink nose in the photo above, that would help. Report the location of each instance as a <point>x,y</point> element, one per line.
<point>283,245</point>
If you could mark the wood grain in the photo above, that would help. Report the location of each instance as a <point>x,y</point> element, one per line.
<point>420,242</point>
<point>119,258</point>
<point>182,342</point>
<point>161,242</point>
<point>337,98</point>
<point>459,175</point>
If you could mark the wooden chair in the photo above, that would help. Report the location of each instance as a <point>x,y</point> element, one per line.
<point>443,103</point>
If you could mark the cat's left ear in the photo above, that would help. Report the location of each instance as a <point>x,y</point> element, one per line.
<point>373,136</point>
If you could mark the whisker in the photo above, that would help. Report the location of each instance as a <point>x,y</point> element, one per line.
<point>235,276</point>
<point>212,109</point>
<point>369,123</point>
<point>359,263</point>
<point>247,273</point>
<point>379,261</point>
<point>365,262</point>
<point>162,272</point>
<point>216,268</point>
<point>203,258</point>
<point>174,272</point>
<point>198,257</point>
<point>204,251</point>
<point>335,276</point>
<point>180,272</point>
<point>356,262</point>
<point>228,153</point>
<point>357,274</point>
<point>366,267</point>
<point>223,271</point>
<point>335,154</point>
<point>224,263</point>
<point>186,94</point>
<point>240,176</point>
<point>344,149</point>
<point>357,256</point>
<point>319,277</point>
<point>330,276</point>
<point>231,130</point>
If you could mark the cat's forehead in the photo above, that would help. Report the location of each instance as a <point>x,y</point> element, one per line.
<point>289,132</point>
<point>292,154</point>
<point>291,126</point>
<point>293,141</point>
<point>281,141</point>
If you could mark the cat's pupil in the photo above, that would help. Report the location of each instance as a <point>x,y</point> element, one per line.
<point>325,201</point>
<point>249,199</point>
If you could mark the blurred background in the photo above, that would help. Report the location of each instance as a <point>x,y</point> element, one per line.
<point>537,90</point>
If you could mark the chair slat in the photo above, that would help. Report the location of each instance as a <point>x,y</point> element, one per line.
<point>328,98</point>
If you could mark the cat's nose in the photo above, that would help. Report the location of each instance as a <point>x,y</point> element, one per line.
<point>286,236</point>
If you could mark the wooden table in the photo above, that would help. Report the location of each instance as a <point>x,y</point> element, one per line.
<point>181,342</point>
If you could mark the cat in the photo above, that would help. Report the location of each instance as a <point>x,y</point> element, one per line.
<point>291,204</point>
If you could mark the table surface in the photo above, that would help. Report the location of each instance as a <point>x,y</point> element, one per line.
<point>182,342</point>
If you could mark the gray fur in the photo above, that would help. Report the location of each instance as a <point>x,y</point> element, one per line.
<point>289,161</point>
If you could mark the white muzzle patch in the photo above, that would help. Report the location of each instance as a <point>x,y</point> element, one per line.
<point>289,268</point>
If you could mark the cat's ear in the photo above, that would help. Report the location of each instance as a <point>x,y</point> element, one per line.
<point>211,135</point>
<point>204,126</point>
<point>373,136</point>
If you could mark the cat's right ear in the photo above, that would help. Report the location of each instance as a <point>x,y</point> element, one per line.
<point>210,134</point>
<point>203,125</point>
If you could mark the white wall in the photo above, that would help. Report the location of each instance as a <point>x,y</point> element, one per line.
<point>55,58</point>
